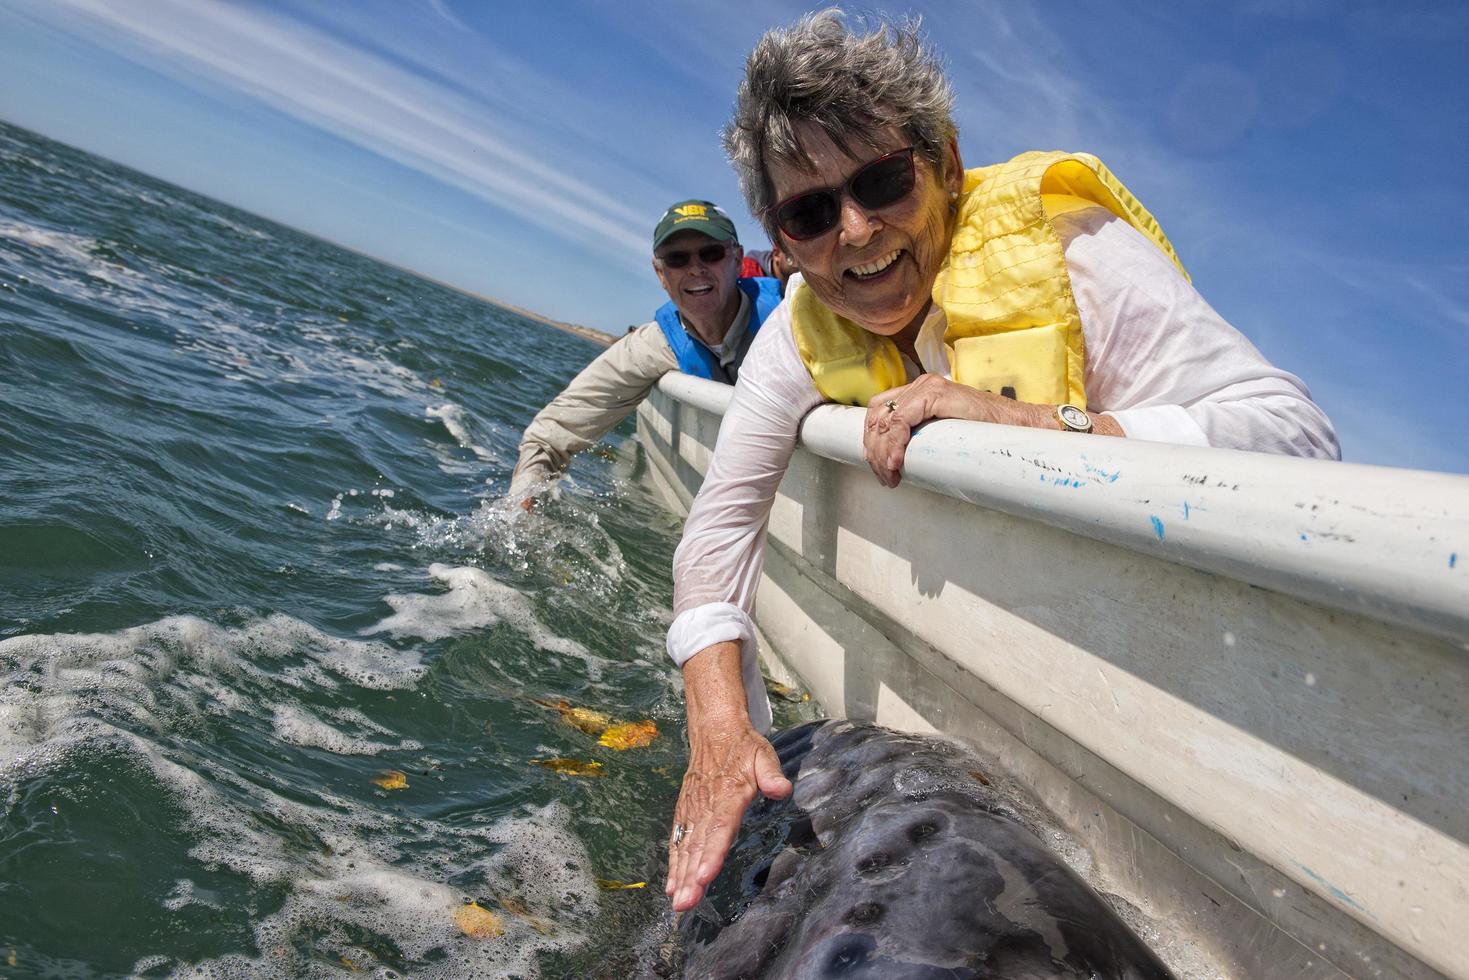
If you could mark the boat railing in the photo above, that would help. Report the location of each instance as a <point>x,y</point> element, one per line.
<point>1371,539</point>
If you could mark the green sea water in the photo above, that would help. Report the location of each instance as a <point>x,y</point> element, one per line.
<point>251,558</point>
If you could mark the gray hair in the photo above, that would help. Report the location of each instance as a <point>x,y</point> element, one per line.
<point>850,84</point>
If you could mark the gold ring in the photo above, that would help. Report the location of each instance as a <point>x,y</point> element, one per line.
<point>892,405</point>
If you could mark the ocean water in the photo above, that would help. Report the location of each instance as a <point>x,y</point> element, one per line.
<point>252,559</point>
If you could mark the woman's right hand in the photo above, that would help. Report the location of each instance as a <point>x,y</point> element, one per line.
<point>729,762</point>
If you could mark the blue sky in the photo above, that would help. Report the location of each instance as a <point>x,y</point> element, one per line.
<point>1305,156</point>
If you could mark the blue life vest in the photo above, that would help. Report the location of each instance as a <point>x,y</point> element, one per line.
<point>693,357</point>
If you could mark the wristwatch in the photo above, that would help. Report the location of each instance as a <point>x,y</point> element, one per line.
<point>1073,419</point>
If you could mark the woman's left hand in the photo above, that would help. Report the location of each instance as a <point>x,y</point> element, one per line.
<point>893,415</point>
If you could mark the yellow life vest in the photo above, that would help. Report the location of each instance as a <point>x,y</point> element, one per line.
<point>1013,326</point>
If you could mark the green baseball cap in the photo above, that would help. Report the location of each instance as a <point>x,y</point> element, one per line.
<point>701,216</point>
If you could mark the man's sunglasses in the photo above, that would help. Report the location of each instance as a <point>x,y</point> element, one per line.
<point>884,181</point>
<point>708,254</point>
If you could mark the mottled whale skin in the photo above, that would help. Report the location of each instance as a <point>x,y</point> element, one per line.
<point>893,859</point>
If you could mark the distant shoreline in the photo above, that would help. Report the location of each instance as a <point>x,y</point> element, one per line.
<point>587,333</point>
<point>595,336</point>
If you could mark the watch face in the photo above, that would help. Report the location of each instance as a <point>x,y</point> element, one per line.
<point>1074,417</point>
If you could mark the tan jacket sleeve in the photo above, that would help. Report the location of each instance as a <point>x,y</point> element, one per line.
<point>596,400</point>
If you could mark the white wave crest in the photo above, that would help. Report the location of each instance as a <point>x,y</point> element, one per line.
<point>474,601</point>
<point>454,419</point>
<point>75,247</point>
<point>64,691</point>
<point>297,726</point>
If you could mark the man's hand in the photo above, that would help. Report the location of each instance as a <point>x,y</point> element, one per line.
<point>893,415</point>
<point>728,763</point>
<point>727,766</point>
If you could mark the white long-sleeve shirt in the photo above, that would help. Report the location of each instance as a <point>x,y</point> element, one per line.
<point>1159,360</point>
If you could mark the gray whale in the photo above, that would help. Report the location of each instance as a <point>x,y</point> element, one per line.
<point>893,859</point>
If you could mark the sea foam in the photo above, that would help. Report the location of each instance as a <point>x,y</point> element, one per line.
<point>475,600</point>
<point>65,691</point>
<point>297,726</point>
<point>350,902</point>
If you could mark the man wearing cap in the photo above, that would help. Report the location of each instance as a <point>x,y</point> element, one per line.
<point>704,329</point>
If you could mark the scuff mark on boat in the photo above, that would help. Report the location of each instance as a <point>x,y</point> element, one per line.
<point>1157,527</point>
<point>1334,891</point>
<point>1100,473</point>
<point>1116,705</point>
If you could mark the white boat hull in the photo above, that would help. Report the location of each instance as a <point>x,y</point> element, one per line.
<point>1242,681</point>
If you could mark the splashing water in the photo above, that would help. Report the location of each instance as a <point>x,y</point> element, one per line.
<point>252,558</point>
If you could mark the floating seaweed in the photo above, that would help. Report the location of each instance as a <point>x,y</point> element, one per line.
<point>570,767</point>
<point>478,922</point>
<point>785,693</point>
<point>629,735</point>
<point>588,720</point>
<point>391,779</point>
<point>518,910</point>
<point>608,885</point>
<point>613,733</point>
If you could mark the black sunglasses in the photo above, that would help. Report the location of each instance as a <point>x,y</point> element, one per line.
<point>708,254</point>
<point>884,181</point>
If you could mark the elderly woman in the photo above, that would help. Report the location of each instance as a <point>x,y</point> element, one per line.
<point>1036,292</point>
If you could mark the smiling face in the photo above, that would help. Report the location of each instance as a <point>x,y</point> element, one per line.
<point>704,292</point>
<point>876,268</point>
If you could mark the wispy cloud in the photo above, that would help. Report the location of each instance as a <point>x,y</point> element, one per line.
<point>706,44</point>
<point>1436,293</point>
<point>367,100</point>
<point>441,8</point>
